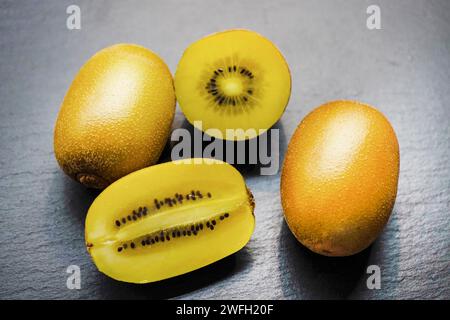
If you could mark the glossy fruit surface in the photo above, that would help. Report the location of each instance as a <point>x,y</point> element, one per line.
<point>169,219</point>
<point>339,178</point>
<point>235,79</point>
<point>116,115</point>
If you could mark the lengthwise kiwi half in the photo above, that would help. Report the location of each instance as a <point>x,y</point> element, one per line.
<point>169,219</point>
<point>234,79</point>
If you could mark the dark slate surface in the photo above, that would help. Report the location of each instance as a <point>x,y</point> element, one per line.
<point>403,69</point>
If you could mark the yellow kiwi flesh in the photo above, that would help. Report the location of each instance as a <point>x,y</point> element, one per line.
<point>116,115</point>
<point>339,178</point>
<point>169,219</point>
<point>235,79</point>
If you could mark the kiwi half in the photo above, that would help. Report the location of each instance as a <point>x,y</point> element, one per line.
<point>168,220</point>
<point>235,79</point>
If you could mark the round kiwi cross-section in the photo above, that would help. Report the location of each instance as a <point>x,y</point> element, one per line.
<point>235,79</point>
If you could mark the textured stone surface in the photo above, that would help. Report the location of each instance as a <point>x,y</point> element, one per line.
<point>403,69</point>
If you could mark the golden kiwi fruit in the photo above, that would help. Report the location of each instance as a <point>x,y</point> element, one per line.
<point>234,79</point>
<point>169,219</point>
<point>339,178</point>
<point>116,115</point>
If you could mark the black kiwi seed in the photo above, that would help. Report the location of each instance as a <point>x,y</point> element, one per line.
<point>143,242</point>
<point>197,228</point>
<point>207,224</point>
<point>147,241</point>
<point>167,238</point>
<point>173,234</point>
<point>226,215</point>
<point>221,217</point>
<point>129,218</point>
<point>132,245</point>
<point>178,234</point>
<point>201,226</point>
<point>139,215</point>
<point>124,220</point>
<point>118,223</point>
<point>134,218</point>
<point>156,239</point>
<point>209,195</point>
<point>213,87</point>
<point>119,249</point>
<point>195,233</point>
<point>152,241</point>
<point>189,233</point>
<point>192,228</point>
<point>125,246</point>
<point>213,222</point>
<point>184,233</point>
<point>212,227</point>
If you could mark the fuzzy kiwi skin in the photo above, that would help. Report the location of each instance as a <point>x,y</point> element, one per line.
<point>339,178</point>
<point>116,115</point>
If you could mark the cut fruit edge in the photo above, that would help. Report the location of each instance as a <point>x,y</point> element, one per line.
<point>171,219</point>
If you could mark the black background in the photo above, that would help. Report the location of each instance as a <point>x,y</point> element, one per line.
<point>403,69</point>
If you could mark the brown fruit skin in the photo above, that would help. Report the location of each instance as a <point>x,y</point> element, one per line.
<point>116,115</point>
<point>339,178</point>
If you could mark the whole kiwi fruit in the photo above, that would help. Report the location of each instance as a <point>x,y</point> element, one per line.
<point>116,115</point>
<point>339,178</point>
